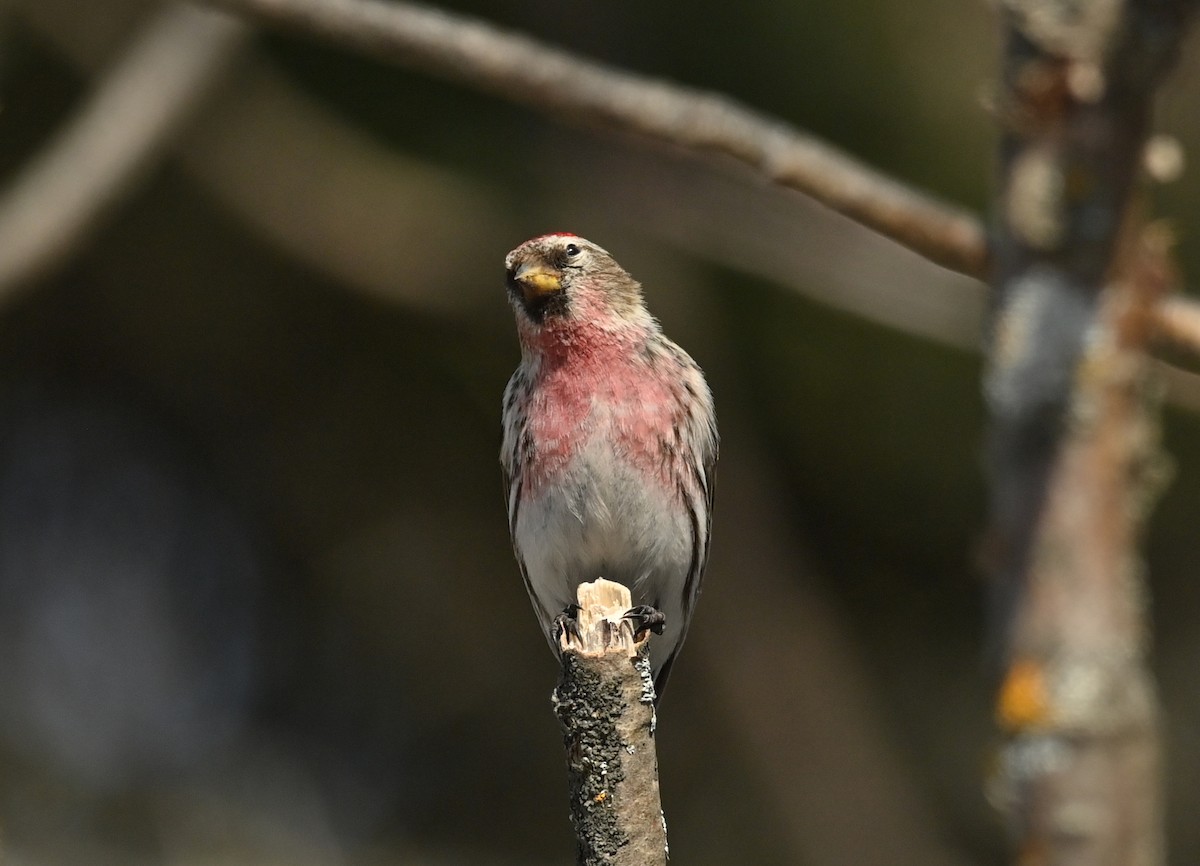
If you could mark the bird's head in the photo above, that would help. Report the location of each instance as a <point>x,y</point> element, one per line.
<point>562,277</point>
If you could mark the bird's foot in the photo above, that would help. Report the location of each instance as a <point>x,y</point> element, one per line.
<point>567,623</point>
<point>644,618</point>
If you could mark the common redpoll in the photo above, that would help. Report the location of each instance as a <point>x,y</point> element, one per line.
<point>610,443</point>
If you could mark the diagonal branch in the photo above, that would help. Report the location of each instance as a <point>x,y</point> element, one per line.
<point>116,137</point>
<point>531,73</point>
<point>1178,322</point>
<point>62,194</point>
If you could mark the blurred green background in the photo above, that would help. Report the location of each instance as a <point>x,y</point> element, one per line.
<point>257,600</point>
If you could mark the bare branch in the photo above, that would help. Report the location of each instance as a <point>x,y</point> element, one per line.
<point>117,136</point>
<point>528,72</point>
<point>1178,321</point>
<point>1073,450</point>
<point>1080,772</point>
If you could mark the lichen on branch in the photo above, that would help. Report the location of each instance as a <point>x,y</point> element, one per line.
<point>605,704</point>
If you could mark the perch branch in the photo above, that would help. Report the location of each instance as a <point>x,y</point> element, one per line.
<point>523,70</point>
<point>605,704</point>
<point>117,136</point>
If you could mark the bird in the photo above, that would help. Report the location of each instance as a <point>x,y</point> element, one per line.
<point>609,444</point>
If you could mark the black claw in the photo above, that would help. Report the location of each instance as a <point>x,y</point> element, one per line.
<point>567,623</point>
<point>645,618</point>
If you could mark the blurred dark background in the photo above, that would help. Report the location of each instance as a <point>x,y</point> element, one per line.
<point>257,601</point>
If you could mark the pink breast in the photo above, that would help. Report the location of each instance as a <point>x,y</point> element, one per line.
<point>605,396</point>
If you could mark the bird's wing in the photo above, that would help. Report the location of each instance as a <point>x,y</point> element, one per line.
<point>702,442</point>
<point>512,455</point>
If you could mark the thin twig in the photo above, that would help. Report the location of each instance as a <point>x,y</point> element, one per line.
<point>120,132</point>
<point>1178,321</point>
<point>526,71</point>
<point>914,302</point>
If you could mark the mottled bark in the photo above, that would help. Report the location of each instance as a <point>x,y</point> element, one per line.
<point>1073,450</point>
<point>605,704</point>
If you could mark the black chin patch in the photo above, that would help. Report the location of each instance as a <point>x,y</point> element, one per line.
<point>540,306</point>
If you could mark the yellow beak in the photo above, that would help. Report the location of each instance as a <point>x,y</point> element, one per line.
<point>537,279</point>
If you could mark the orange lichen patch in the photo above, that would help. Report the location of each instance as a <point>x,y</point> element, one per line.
<point>1023,701</point>
<point>601,797</point>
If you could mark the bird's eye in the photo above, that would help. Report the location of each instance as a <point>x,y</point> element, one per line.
<point>572,250</point>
